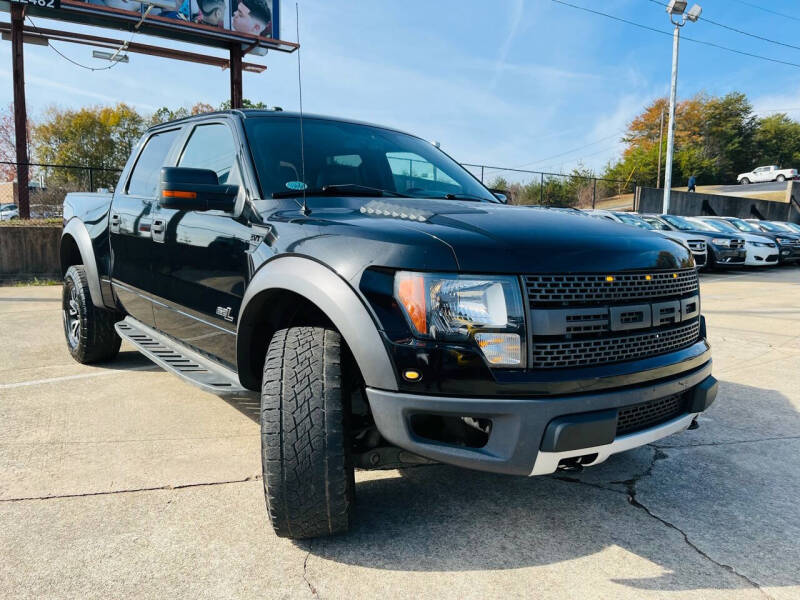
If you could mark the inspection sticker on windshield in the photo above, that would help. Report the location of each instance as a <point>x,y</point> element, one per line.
<point>296,185</point>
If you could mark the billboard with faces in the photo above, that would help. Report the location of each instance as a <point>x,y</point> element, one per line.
<point>251,17</point>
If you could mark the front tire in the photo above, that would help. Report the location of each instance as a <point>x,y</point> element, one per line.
<point>744,181</point>
<point>89,330</point>
<point>305,455</point>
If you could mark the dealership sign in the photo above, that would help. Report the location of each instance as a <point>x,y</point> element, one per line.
<point>254,23</point>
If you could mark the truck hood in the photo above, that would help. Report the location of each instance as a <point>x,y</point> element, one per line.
<point>493,238</point>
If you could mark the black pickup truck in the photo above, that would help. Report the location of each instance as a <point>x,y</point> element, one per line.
<point>387,308</point>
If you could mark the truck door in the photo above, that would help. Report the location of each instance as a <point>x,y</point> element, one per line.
<point>130,227</point>
<point>200,257</point>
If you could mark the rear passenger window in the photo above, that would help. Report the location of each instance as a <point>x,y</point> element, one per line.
<point>145,176</point>
<point>211,147</point>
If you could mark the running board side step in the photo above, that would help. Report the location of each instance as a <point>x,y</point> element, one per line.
<point>175,357</point>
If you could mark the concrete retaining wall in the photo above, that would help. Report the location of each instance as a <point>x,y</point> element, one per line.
<point>649,200</point>
<point>28,251</point>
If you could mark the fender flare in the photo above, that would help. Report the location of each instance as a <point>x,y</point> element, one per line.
<point>77,230</point>
<point>334,297</point>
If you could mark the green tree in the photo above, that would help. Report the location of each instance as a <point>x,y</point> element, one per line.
<point>93,137</point>
<point>246,103</point>
<point>777,142</point>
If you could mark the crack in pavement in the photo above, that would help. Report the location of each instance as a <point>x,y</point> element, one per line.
<point>133,491</point>
<point>730,443</point>
<point>310,585</point>
<point>630,485</point>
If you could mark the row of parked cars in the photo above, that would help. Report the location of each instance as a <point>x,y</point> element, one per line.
<point>718,242</point>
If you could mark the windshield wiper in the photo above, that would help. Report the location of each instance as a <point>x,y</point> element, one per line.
<point>463,196</point>
<point>353,189</point>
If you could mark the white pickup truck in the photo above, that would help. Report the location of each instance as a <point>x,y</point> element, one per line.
<point>769,173</point>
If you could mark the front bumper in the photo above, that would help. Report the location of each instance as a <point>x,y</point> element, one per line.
<point>727,256</point>
<point>530,436</point>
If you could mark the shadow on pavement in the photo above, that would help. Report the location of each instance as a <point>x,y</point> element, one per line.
<point>441,518</point>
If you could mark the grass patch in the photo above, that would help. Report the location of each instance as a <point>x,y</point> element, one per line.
<point>49,222</point>
<point>35,281</point>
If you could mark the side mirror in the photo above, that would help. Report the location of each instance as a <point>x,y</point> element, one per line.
<point>183,188</point>
<point>501,195</point>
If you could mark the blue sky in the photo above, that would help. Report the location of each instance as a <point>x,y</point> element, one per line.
<point>511,82</point>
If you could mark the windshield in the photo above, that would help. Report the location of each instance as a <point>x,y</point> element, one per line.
<point>793,227</point>
<point>656,223</point>
<point>633,220</point>
<point>357,158</point>
<point>783,227</point>
<point>770,227</point>
<point>721,226</point>
<point>684,224</point>
<point>744,226</point>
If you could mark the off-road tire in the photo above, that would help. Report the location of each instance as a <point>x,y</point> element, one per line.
<point>305,455</point>
<point>95,338</point>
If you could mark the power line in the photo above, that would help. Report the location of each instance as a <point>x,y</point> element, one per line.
<point>747,33</point>
<point>536,162</point>
<point>688,39</point>
<point>774,12</point>
<point>74,62</point>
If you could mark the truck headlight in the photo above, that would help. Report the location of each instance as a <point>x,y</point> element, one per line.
<point>783,241</point>
<point>486,309</point>
<point>721,242</point>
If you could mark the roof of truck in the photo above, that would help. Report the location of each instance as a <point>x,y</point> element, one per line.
<point>251,113</point>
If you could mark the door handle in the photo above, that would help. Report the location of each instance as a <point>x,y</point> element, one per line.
<point>157,230</point>
<point>115,220</point>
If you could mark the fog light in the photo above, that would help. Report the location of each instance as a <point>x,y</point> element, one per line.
<point>411,375</point>
<point>500,349</point>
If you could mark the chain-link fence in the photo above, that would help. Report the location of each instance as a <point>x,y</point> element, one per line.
<point>48,184</point>
<point>557,189</point>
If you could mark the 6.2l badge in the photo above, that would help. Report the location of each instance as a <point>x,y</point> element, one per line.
<point>225,312</point>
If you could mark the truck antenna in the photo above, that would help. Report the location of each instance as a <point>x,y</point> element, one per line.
<point>304,209</point>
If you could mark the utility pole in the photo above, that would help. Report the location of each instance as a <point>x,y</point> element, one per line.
<point>673,91</point>
<point>660,148</point>
<point>675,8</point>
<point>20,112</point>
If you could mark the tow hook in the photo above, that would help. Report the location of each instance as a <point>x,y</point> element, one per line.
<point>694,424</point>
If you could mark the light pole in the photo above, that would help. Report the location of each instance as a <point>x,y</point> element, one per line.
<point>675,9</point>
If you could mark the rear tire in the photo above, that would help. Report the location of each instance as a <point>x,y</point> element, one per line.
<point>89,330</point>
<point>308,473</point>
<point>780,179</point>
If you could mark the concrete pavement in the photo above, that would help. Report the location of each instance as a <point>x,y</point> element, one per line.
<point>122,481</point>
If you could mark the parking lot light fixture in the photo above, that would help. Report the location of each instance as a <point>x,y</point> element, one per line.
<point>676,7</point>
<point>676,10</point>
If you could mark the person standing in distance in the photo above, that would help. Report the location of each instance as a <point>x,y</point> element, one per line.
<point>692,182</point>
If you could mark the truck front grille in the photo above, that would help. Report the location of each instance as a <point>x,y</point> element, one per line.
<point>565,290</point>
<point>591,352</point>
<point>737,244</point>
<point>697,246</point>
<point>631,419</point>
<point>586,320</point>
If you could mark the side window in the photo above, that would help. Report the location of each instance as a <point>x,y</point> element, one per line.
<point>411,171</point>
<point>211,147</point>
<point>144,178</point>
